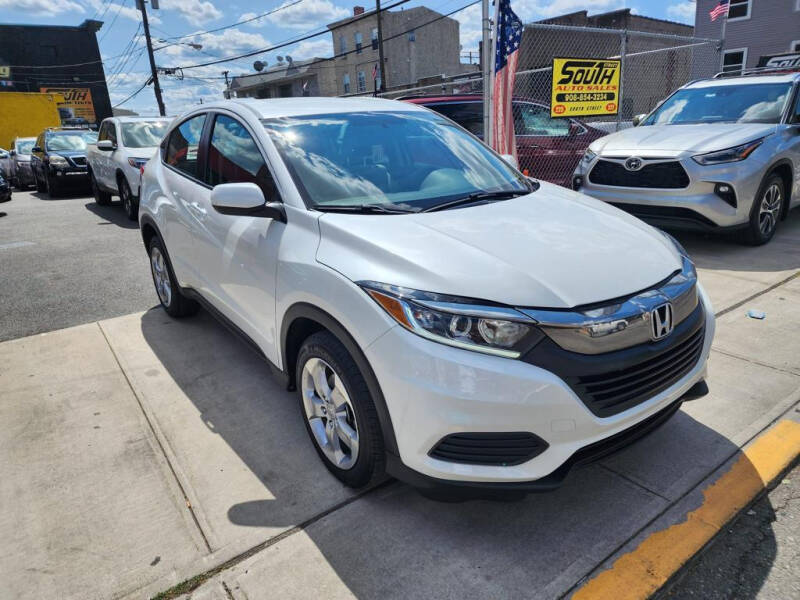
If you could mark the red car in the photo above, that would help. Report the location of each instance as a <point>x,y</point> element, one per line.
<point>547,148</point>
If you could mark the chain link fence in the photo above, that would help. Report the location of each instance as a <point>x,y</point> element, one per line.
<point>653,65</point>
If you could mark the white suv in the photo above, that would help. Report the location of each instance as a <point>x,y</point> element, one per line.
<point>124,145</point>
<point>443,318</point>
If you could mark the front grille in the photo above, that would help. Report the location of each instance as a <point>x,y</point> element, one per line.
<point>678,214</point>
<point>79,160</point>
<point>612,382</point>
<point>629,386</point>
<point>498,449</point>
<point>666,175</point>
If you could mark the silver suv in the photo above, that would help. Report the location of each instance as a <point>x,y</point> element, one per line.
<point>718,154</point>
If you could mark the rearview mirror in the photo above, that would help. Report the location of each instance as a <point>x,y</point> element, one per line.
<point>638,119</point>
<point>245,199</point>
<point>510,159</point>
<point>106,145</point>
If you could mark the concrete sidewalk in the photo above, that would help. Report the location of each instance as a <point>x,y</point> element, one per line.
<point>141,451</point>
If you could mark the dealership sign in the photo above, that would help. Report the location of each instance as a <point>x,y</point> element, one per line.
<point>780,61</point>
<point>77,102</point>
<point>585,86</point>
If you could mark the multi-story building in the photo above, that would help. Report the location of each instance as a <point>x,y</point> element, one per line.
<point>754,29</point>
<point>57,59</point>
<point>288,78</point>
<point>418,43</point>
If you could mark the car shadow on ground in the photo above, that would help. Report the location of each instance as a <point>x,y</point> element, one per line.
<point>67,194</point>
<point>392,542</point>
<point>725,252</point>
<point>112,214</point>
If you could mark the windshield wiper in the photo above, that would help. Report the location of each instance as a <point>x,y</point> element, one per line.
<point>477,197</point>
<point>376,209</point>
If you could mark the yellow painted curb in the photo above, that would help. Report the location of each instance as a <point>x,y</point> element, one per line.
<point>639,573</point>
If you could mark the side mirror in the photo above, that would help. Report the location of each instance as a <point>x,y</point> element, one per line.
<point>106,145</point>
<point>638,119</point>
<point>36,149</point>
<point>13,153</point>
<point>246,200</point>
<point>510,159</point>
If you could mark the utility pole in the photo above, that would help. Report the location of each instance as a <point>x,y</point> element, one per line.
<point>380,46</point>
<point>227,93</point>
<point>156,87</point>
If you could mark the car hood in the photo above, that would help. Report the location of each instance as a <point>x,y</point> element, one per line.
<point>674,139</point>
<point>553,248</point>
<point>67,153</point>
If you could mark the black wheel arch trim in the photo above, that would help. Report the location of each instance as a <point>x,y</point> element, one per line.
<point>787,192</point>
<point>311,312</point>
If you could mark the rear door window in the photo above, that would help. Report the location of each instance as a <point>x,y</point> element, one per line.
<point>182,148</point>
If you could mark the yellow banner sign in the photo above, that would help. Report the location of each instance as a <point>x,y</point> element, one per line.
<point>77,102</point>
<point>585,86</point>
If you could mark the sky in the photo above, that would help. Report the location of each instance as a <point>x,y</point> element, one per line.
<point>126,65</point>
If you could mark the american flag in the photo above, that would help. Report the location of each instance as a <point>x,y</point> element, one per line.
<point>507,39</point>
<point>719,10</point>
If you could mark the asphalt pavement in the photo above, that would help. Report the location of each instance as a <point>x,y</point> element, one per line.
<point>67,261</point>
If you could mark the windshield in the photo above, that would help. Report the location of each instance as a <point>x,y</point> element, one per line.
<point>143,134</point>
<point>753,103</point>
<point>405,160</point>
<point>73,140</point>
<point>25,146</point>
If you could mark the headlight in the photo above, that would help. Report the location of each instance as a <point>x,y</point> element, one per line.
<point>137,163</point>
<point>728,155</point>
<point>458,322</point>
<point>58,161</point>
<point>588,157</point>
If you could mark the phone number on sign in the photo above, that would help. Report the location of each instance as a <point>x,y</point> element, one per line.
<point>585,97</point>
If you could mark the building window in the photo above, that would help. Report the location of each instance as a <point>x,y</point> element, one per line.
<point>362,82</point>
<point>358,40</point>
<point>740,9</point>
<point>342,44</point>
<point>375,37</point>
<point>412,36</point>
<point>734,60</point>
<point>346,83</point>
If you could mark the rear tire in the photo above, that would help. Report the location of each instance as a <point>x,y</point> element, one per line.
<point>100,197</point>
<point>329,382</point>
<point>169,292</point>
<point>766,212</point>
<point>39,185</point>
<point>129,201</point>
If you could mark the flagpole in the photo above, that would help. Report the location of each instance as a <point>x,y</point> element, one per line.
<point>492,63</point>
<point>722,43</point>
<point>488,61</point>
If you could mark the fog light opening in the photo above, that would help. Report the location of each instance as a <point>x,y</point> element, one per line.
<point>725,191</point>
<point>577,182</point>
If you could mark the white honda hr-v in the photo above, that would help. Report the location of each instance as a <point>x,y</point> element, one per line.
<point>443,318</point>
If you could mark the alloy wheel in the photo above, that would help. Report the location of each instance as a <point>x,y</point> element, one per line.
<point>126,198</point>
<point>330,413</point>
<point>769,211</point>
<point>161,276</point>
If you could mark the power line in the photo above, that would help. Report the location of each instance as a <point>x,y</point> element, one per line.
<point>144,85</point>
<point>114,20</point>
<point>296,40</point>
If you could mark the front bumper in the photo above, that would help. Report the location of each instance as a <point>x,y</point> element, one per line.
<point>432,391</point>
<point>24,174</point>
<point>70,175</point>
<point>696,206</point>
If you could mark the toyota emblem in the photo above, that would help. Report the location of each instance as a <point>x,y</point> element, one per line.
<point>634,163</point>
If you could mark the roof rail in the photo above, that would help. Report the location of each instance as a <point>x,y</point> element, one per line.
<point>759,71</point>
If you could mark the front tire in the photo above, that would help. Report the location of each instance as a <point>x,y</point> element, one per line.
<point>100,197</point>
<point>339,412</point>
<point>39,185</point>
<point>766,212</point>
<point>169,292</point>
<point>51,186</point>
<point>129,201</point>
